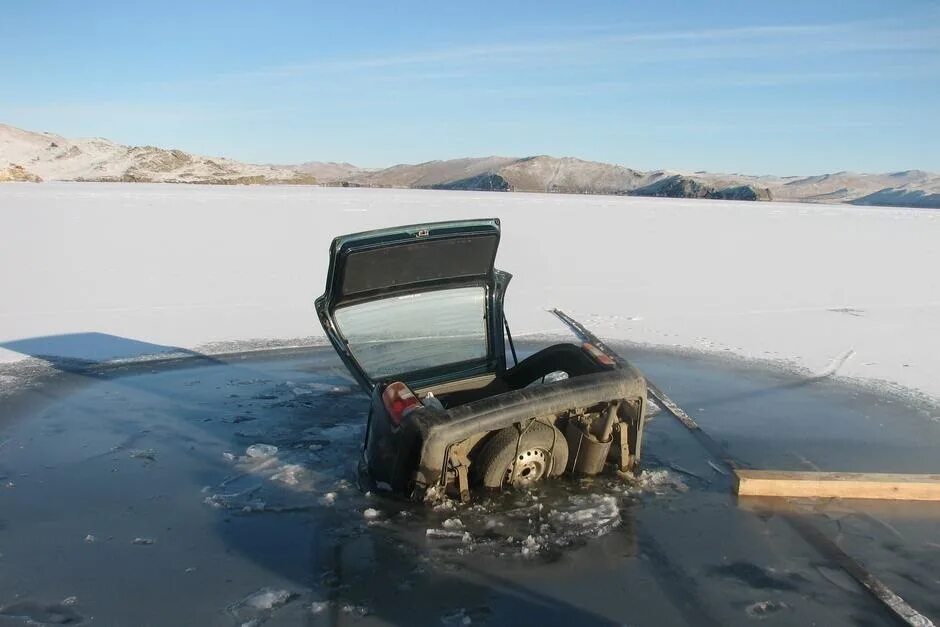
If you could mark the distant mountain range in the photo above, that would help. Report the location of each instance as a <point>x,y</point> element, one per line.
<point>31,156</point>
<point>25,155</point>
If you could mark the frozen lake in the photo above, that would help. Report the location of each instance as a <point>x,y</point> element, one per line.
<point>222,491</point>
<point>815,286</point>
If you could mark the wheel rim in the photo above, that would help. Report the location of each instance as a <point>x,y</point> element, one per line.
<point>528,467</point>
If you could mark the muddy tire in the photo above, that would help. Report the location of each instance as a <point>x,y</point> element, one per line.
<point>542,452</point>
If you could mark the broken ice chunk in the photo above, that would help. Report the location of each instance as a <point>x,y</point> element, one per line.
<point>260,451</point>
<point>445,534</point>
<point>147,454</point>
<point>257,607</point>
<point>290,474</point>
<point>267,598</point>
<point>317,607</point>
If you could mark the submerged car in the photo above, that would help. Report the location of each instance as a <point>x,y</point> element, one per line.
<point>416,315</point>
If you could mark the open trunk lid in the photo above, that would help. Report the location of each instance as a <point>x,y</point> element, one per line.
<point>417,303</point>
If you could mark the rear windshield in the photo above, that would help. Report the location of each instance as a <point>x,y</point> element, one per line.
<point>403,334</point>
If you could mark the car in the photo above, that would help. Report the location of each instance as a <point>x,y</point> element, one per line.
<point>416,315</point>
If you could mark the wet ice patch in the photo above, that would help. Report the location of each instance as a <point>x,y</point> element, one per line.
<point>303,389</point>
<point>148,454</point>
<point>659,481</point>
<point>353,609</point>
<point>7,380</point>
<point>258,607</point>
<point>594,514</point>
<point>261,451</point>
<point>35,613</point>
<point>557,516</point>
<point>291,474</point>
<point>763,609</point>
<point>339,432</point>
<point>293,471</point>
<point>466,616</point>
<point>652,408</point>
<point>449,534</point>
<point>529,524</point>
<point>239,419</point>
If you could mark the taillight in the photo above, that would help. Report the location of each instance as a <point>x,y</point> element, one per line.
<point>399,401</point>
<point>598,355</point>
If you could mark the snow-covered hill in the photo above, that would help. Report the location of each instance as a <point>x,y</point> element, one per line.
<point>26,155</point>
<point>568,175</point>
<point>47,156</point>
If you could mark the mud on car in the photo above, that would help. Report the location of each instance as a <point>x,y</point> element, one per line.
<point>416,315</point>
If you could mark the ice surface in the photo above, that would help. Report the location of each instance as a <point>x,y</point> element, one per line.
<point>776,281</point>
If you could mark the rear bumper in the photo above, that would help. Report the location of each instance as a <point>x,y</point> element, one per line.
<point>438,431</point>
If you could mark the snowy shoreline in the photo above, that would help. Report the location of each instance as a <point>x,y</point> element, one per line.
<point>103,271</point>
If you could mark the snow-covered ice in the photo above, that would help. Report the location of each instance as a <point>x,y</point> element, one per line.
<point>122,270</point>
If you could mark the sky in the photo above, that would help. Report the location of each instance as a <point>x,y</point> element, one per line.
<point>759,87</point>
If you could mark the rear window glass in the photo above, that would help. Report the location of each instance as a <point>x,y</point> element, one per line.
<point>403,334</point>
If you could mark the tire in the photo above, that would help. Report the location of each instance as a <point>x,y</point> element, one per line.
<point>542,447</point>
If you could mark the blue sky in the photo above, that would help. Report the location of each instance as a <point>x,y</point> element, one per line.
<point>759,87</point>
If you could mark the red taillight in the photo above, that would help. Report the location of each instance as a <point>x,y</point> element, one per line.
<point>399,401</point>
<point>598,355</point>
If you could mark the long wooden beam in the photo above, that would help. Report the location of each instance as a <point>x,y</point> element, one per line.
<point>845,485</point>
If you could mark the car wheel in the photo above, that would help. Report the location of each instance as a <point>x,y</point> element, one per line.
<point>510,460</point>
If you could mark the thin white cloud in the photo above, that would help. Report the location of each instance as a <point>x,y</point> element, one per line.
<point>749,41</point>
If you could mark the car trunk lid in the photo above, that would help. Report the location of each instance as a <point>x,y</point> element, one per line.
<point>415,303</point>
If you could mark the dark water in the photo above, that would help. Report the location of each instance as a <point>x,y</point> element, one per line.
<point>136,496</point>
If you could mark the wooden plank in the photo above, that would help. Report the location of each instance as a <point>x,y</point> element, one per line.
<point>846,485</point>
